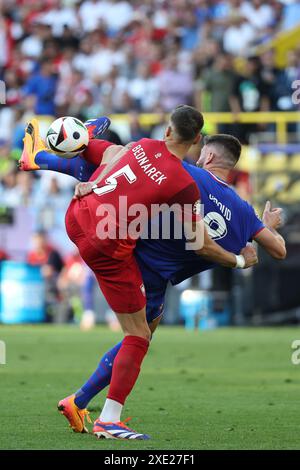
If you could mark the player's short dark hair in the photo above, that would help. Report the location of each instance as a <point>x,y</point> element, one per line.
<point>229,145</point>
<point>187,122</point>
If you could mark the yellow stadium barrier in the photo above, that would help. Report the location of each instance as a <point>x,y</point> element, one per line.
<point>280,119</point>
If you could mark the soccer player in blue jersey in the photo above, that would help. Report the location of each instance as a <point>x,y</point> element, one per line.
<point>231,222</point>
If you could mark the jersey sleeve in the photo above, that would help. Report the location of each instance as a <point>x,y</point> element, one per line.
<point>189,201</point>
<point>255,225</point>
<point>95,150</point>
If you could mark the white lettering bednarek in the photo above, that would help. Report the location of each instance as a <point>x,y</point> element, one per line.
<point>145,164</point>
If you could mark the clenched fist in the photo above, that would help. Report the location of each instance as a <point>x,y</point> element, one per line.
<point>82,189</point>
<point>250,255</point>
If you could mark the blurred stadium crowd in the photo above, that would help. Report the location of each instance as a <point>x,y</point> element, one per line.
<point>92,57</point>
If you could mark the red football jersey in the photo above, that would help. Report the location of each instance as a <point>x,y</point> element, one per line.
<point>146,175</point>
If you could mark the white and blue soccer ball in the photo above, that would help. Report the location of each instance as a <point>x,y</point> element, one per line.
<point>67,136</point>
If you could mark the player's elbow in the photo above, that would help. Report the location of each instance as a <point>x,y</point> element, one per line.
<point>279,253</point>
<point>205,247</point>
<point>204,251</point>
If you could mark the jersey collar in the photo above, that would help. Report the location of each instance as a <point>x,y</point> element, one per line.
<point>217,179</point>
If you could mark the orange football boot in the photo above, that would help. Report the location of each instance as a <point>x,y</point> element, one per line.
<point>33,144</point>
<point>74,415</point>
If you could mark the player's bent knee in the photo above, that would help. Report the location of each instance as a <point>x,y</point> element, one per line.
<point>135,324</point>
<point>147,334</point>
<point>141,332</point>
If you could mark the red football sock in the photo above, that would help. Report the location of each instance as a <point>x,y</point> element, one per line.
<point>126,368</point>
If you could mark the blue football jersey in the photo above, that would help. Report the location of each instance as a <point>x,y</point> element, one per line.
<point>230,221</point>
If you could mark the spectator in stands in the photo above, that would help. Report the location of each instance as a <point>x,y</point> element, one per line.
<point>157,131</point>
<point>175,87</point>
<point>238,36</point>
<point>16,189</point>
<point>43,254</point>
<point>258,14</point>
<point>270,74</point>
<point>137,132</point>
<point>70,283</point>
<point>42,86</point>
<point>143,89</point>
<point>190,31</point>
<point>283,85</point>
<point>291,14</point>
<point>51,263</point>
<point>6,164</point>
<point>91,13</point>
<point>3,255</point>
<point>114,93</point>
<point>35,35</point>
<point>8,187</point>
<point>218,81</point>
<point>54,197</point>
<point>74,94</point>
<point>250,93</point>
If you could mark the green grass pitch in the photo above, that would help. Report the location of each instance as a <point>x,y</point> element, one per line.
<point>222,389</point>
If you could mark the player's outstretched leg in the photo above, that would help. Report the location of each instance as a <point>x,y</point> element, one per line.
<point>96,127</point>
<point>36,156</point>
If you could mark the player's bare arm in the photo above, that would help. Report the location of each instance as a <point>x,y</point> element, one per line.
<point>269,238</point>
<point>214,252</point>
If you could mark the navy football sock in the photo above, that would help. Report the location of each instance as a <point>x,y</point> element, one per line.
<point>98,380</point>
<point>76,166</point>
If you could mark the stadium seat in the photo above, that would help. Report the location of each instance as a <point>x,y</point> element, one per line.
<point>250,160</point>
<point>274,184</point>
<point>291,196</point>
<point>294,164</point>
<point>275,162</point>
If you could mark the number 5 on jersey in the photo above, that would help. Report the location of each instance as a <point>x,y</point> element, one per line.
<point>111,182</point>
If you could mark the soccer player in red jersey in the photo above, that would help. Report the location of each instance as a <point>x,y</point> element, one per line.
<point>149,173</point>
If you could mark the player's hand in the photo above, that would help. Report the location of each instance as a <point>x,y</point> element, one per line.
<point>272,218</point>
<point>250,255</point>
<point>129,145</point>
<point>82,189</point>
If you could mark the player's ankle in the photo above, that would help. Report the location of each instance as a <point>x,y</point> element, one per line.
<point>111,412</point>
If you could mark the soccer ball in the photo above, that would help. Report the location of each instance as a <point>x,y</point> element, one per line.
<point>67,136</point>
